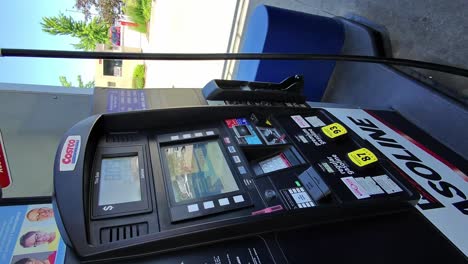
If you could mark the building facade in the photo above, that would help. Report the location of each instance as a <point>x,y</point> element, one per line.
<point>118,73</point>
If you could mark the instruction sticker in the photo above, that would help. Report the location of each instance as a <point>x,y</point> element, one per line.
<point>355,187</point>
<point>387,184</point>
<point>341,166</point>
<point>122,100</point>
<point>369,185</point>
<point>314,137</point>
<point>315,121</point>
<point>300,121</point>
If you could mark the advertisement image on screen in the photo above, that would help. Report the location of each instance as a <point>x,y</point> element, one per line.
<point>198,170</point>
<point>119,181</point>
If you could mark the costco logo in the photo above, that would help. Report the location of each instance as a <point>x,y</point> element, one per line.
<point>70,153</point>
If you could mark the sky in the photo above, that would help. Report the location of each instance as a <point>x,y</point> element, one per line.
<point>20,29</point>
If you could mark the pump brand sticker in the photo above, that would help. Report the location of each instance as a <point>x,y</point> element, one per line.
<point>369,185</point>
<point>355,188</point>
<point>387,184</point>
<point>70,153</point>
<point>5,176</point>
<point>300,121</point>
<point>315,121</point>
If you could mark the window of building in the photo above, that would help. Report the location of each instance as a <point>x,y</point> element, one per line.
<point>112,68</point>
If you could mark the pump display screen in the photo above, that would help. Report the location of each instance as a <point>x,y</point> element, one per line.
<point>275,163</point>
<point>119,181</point>
<point>198,170</point>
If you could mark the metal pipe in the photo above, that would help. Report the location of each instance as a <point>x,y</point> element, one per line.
<point>228,56</point>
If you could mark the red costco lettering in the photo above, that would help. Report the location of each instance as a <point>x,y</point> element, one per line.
<point>69,152</point>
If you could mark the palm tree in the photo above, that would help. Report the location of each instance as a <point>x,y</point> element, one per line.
<point>65,83</point>
<point>89,33</point>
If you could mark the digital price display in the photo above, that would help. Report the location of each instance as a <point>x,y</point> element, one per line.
<point>119,181</point>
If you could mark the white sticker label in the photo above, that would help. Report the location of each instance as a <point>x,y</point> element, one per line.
<point>174,137</point>
<point>303,139</point>
<point>231,149</point>
<point>186,136</point>
<point>301,197</point>
<point>369,185</point>
<point>327,167</point>
<point>236,159</point>
<point>210,133</point>
<point>300,121</point>
<point>70,153</point>
<point>387,184</point>
<point>355,188</point>
<point>193,208</point>
<point>315,121</point>
<point>199,134</point>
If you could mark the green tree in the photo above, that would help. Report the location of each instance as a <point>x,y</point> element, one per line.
<point>89,33</point>
<point>108,10</point>
<point>65,83</point>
